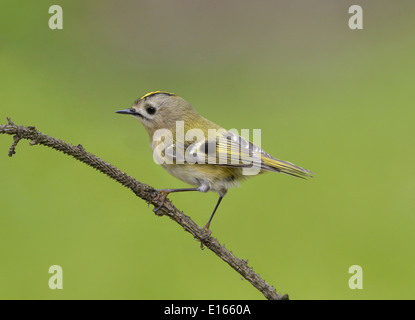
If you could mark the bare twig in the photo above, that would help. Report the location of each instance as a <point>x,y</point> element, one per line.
<point>145,192</point>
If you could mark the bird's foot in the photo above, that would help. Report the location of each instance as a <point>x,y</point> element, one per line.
<point>205,237</point>
<point>207,230</point>
<point>165,193</point>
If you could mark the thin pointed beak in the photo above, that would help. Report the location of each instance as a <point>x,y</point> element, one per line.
<point>127,111</point>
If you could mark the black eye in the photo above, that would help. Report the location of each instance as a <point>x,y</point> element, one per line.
<point>151,110</point>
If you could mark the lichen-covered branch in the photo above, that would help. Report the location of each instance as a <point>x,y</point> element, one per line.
<point>145,192</point>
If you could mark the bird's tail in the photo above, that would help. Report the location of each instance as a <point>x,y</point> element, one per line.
<point>272,164</point>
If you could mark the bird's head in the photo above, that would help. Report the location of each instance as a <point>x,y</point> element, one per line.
<point>160,110</point>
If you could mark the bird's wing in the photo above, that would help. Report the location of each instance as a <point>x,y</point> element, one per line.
<point>229,149</point>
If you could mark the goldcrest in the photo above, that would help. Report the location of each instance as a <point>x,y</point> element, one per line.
<point>198,151</point>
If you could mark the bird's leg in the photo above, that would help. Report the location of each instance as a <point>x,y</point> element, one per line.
<point>207,225</point>
<point>166,192</point>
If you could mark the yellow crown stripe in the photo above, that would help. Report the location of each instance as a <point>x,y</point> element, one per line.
<point>154,92</point>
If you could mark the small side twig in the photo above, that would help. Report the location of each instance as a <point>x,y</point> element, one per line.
<point>12,149</point>
<point>16,140</point>
<point>145,192</point>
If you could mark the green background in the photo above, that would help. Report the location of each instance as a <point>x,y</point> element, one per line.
<point>335,101</point>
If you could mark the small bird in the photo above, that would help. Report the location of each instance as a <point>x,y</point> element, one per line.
<point>208,163</point>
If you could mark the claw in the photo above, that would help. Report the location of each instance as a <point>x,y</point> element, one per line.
<point>163,199</point>
<point>208,231</point>
<point>207,236</point>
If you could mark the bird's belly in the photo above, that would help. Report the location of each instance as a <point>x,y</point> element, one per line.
<point>218,178</point>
